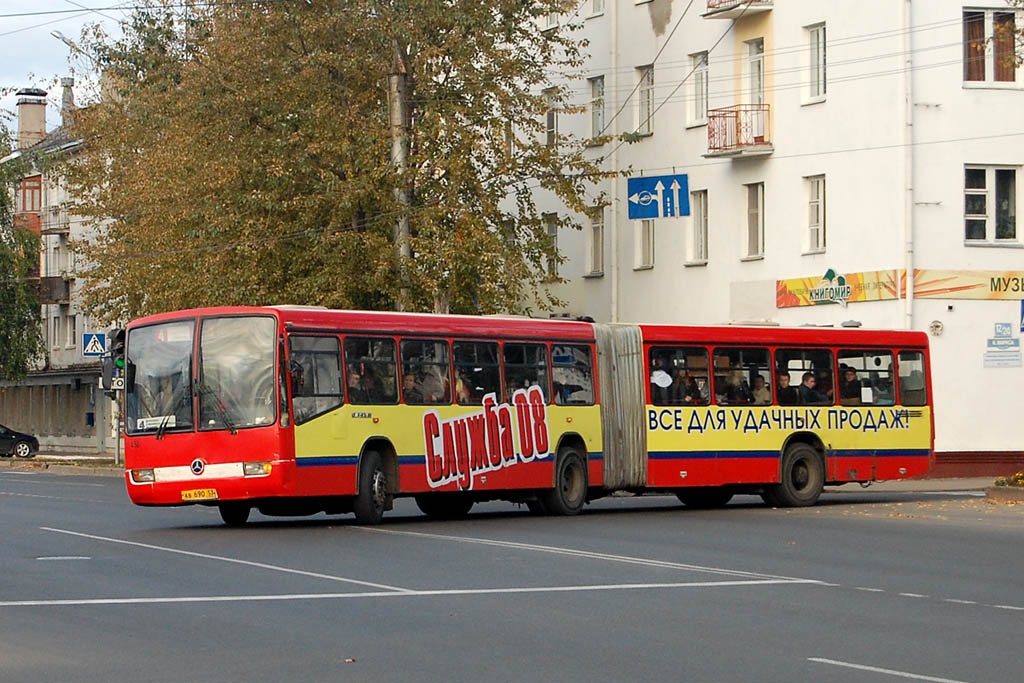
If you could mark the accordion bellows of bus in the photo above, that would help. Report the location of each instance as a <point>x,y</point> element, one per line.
<point>301,410</point>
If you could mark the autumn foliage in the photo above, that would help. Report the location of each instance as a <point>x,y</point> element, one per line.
<point>239,154</point>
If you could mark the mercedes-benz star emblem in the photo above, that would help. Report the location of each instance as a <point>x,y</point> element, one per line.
<point>198,466</point>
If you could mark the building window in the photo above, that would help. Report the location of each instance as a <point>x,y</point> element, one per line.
<point>699,211</point>
<point>595,254</point>
<point>29,195</point>
<point>816,213</point>
<point>699,110</point>
<point>990,204</point>
<point>989,37</point>
<point>55,335</point>
<point>644,244</point>
<point>551,229</point>
<point>550,20</point>
<point>645,76</point>
<point>550,118</point>
<point>816,77</point>
<point>755,220</point>
<point>596,6</point>
<point>72,331</point>
<point>596,106</point>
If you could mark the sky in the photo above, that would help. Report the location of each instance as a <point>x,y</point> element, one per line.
<point>31,57</point>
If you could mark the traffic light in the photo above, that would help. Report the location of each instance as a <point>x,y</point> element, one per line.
<point>114,361</point>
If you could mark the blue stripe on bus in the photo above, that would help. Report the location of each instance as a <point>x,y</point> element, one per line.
<point>330,460</point>
<point>843,453</point>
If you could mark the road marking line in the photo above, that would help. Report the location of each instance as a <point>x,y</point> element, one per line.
<point>890,672</point>
<point>587,554</point>
<point>393,594</point>
<point>64,557</point>
<point>1013,607</point>
<point>961,602</point>
<point>258,565</point>
<point>869,590</point>
<point>912,595</point>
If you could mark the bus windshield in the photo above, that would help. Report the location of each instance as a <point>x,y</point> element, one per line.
<point>161,397</point>
<point>236,372</point>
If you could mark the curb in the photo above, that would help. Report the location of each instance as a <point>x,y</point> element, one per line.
<point>87,469</point>
<point>1010,495</point>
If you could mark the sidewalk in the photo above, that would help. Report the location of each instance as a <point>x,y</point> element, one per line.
<point>919,485</point>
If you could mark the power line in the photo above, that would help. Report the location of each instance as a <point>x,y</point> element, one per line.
<point>207,3</point>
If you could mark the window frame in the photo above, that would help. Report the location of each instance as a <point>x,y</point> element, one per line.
<point>698,255</point>
<point>991,197</point>
<point>293,355</point>
<point>597,106</point>
<point>590,367</point>
<point>595,242</point>
<point>456,364</point>
<point>446,377</point>
<point>550,117</point>
<point>546,390</point>
<point>394,360</point>
<point>993,47</point>
<point>659,351</point>
<point>817,234</point>
<point>700,67</point>
<point>645,100</point>
<point>755,221</point>
<point>817,63</point>
<point>643,244</point>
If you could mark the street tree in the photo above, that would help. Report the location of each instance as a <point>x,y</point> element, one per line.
<point>21,342</point>
<point>252,153</point>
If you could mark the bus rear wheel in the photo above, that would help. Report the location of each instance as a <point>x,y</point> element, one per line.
<point>570,490</point>
<point>801,478</point>
<point>704,497</point>
<point>234,514</point>
<point>444,505</point>
<point>373,498</point>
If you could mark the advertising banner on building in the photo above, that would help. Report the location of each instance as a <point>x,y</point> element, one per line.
<point>883,285</point>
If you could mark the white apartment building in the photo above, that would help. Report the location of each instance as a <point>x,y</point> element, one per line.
<point>858,140</point>
<point>59,401</point>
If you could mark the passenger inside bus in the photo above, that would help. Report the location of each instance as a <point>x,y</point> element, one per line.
<point>685,389</point>
<point>762,394</point>
<point>810,395</point>
<point>357,392</point>
<point>850,387</point>
<point>788,395</point>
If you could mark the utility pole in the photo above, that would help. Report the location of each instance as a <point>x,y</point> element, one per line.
<point>398,109</point>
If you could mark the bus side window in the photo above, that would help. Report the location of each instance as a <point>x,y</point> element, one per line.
<point>425,372</point>
<point>810,375</point>
<point>316,381</point>
<point>742,376</point>
<point>679,375</point>
<point>372,370</point>
<point>526,365</point>
<point>477,372</point>
<point>913,385</point>
<point>572,375</point>
<point>865,378</point>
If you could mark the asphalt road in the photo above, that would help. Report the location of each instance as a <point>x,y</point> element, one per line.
<point>867,586</point>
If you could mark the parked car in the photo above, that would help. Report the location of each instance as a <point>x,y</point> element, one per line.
<point>17,443</point>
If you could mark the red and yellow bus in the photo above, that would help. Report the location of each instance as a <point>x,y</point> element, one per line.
<point>300,410</point>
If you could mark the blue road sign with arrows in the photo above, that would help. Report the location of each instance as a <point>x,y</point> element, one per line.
<point>658,196</point>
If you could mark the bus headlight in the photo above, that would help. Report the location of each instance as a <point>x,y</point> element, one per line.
<point>256,469</point>
<point>143,476</point>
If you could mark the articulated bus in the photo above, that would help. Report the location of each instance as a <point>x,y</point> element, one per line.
<point>301,410</point>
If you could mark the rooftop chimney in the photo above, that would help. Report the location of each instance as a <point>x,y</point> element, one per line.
<point>67,101</point>
<point>31,116</point>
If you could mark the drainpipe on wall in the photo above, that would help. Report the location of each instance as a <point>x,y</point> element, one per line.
<point>908,164</point>
<point>614,88</point>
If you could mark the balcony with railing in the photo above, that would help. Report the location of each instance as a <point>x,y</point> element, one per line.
<point>54,290</point>
<point>56,221</point>
<point>732,9</point>
<point>742,130</point>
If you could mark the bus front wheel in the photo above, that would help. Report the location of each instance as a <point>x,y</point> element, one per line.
<point>801,478</point>
<point>372,499</point>
<point>234,514</point>
<point>570,490</point>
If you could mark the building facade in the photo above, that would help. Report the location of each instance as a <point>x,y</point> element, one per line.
<point>60,401</point>
<point>829,148</point>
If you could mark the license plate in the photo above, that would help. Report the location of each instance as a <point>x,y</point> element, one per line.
<point>199,494</point>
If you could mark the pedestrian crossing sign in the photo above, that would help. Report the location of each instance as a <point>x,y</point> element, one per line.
<point>94,344</point>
